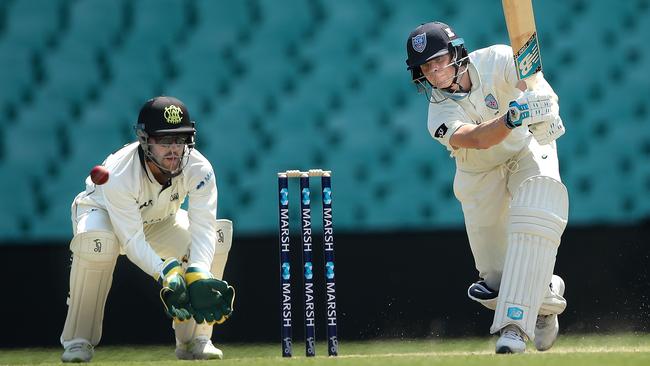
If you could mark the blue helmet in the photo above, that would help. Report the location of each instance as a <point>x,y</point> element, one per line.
<point>430,40</point>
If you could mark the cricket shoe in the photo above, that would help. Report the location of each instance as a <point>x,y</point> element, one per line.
<point>80,350</point>
<point>547,326</point>
<point>201,348</point>
<point>511,341</point>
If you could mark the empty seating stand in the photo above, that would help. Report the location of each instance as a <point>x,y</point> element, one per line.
<point>292,84</point>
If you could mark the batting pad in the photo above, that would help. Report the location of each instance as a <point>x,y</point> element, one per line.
<point>538,216</point>
<point>94,254</point>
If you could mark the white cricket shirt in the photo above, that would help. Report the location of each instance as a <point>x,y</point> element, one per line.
<point>494,80</point>
<point>134,199</point>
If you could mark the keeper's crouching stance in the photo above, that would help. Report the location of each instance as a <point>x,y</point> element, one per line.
<point>137,213</point>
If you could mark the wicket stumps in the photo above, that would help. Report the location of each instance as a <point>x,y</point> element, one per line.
<point>285,260</point>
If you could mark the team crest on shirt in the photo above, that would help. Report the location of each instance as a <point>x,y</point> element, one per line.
<point>491,102</point>
<point>419,42</point>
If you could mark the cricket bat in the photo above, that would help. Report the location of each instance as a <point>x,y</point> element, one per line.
<point>520,21</point>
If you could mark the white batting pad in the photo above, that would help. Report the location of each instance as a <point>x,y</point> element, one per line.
<point>538,216</point>
<point>94,254</point>
<point>222,247</point>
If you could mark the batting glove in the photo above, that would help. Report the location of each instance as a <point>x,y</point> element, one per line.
<point>547,132</point>
<point>529,108</point>
<point>173,293</point>
<point>211,299</point>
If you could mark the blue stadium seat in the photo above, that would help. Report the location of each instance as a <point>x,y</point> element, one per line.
<point>15,71</point>
<point>94,23</point>
<point>64,85</point>
<point>221,21</point>
<point>32,22</point>
<point>297,85</point>
<point>19,213</point>
<point>36,144</point>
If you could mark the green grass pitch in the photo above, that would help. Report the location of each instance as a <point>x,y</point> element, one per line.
<point>614,350</point>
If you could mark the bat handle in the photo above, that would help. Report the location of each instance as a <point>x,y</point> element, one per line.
<point>531,82</point>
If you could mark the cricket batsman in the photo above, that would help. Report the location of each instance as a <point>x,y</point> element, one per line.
<point>138,212</point>
<point>507,179</point>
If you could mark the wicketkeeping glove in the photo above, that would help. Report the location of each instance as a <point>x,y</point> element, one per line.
<point>174,293</point>
<point>211,300</point>
<point>529,108</point>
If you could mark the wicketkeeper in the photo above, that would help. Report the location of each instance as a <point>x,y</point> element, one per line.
<point>507,178</point>
<point>138,213</point>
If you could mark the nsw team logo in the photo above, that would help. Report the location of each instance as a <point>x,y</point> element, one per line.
<point>419,42</point>
<point>491,102</point>
<point>305,196</point>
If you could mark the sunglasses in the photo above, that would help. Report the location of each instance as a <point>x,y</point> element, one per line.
<point>173,139</point>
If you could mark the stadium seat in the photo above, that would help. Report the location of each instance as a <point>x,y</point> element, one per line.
<point>297,85</point>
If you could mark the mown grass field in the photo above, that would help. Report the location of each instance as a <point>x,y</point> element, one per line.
<point>614,350</point>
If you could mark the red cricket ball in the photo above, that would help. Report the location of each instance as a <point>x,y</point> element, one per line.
<point>99,175</point>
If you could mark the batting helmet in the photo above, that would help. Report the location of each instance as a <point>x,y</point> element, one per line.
<point>162,116</point>
<point>430,40</point>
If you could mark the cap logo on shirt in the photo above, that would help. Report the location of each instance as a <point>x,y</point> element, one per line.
<point>173,114</point>
<point>419,42</point>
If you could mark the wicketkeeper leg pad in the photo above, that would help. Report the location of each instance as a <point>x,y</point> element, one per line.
<point>94,254</point>
<point>222,248</point>
<point>187,331</point>
<point>184,331</point>
<point>538,216</point>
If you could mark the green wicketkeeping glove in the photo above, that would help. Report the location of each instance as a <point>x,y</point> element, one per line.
<point>174,293</point>
<point>211,300</point>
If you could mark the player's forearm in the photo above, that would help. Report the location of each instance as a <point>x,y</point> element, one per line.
<point>482,136</point>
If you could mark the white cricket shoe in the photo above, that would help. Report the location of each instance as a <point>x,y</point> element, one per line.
<point>201,348</point>
<point>79,351</point>
<point>511,341</point>
<point>547,326</point>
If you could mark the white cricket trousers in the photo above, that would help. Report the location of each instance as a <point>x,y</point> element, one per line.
<point>485,200</point>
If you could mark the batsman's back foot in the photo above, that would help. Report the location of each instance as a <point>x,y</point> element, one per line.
<point>78,351</point>
<point>548,326</point>
<point>546,330</point>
